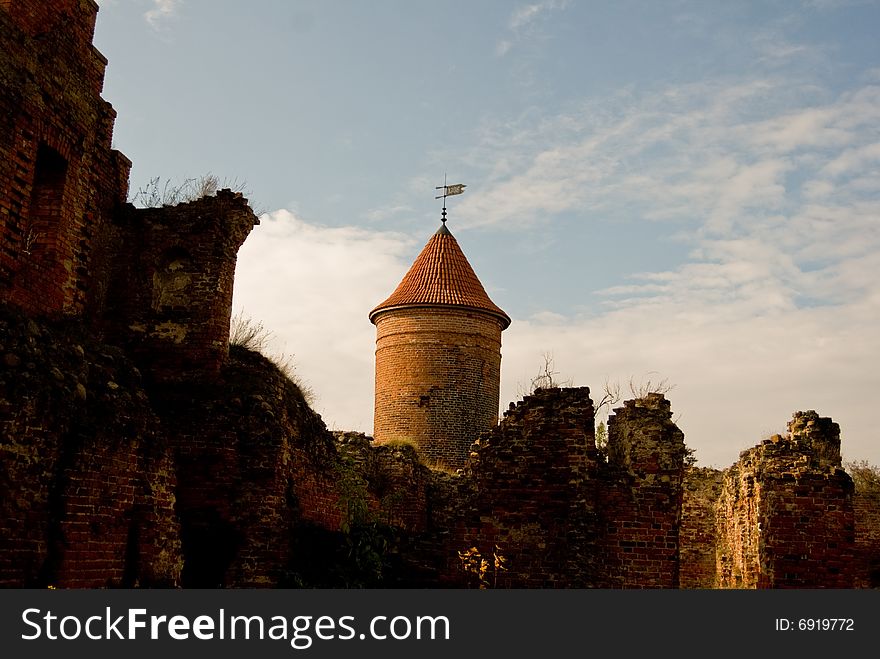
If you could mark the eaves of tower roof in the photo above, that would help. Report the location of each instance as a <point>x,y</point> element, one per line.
<point>441,276</point>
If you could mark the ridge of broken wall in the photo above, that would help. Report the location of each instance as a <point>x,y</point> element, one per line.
<point>527,495</point>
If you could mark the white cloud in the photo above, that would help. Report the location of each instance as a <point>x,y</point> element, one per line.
<point>522,21</point>
<point>161,11</point>
<point>526,14</point>
<point>380,214</point>
<point>854,160</point>
<point>719,151</point>
<point>828,5</point>
<point>313,286</point>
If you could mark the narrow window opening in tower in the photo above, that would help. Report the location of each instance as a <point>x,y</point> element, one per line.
<point>47,195</point>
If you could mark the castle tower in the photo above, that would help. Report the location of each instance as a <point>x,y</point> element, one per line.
<point>438,355</point>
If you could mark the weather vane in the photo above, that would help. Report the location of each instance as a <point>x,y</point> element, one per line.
<point>448,191</point>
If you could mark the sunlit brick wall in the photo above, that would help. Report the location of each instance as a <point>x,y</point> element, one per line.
<point>785,514</point>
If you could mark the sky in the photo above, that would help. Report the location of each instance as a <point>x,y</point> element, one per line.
<point>672,191</point>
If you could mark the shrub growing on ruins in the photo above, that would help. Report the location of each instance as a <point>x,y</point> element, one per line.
<point>156,194</point>
<point>477,568</point>
<point>865,475</point>
<point>250,334</point>
<point>545,378</point>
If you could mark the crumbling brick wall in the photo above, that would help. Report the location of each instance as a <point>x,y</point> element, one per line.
<point>60,180</point>
<point>525,495</point>
<point>86,481</point>
<point>394,479</point>
<point>698,536</point>
<point>866,510</point>
<point>528,491</point>
<point>537,493</point>
<point>266,495</point>
<point>170,298</point>
<point>641,496</point>
<point>220,481</point>
<point>157,282</point>
<point>251,458</point>
<point>786,515</point>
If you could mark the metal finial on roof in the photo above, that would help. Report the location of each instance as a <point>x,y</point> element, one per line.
<point>448,191</point>
<point>441,277</point>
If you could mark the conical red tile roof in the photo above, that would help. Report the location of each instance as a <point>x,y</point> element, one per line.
<point>441,276</point>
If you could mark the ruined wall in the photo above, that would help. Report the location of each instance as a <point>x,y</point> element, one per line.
<point>157,282</point>
<point>169,299</point>
<point>739,559</point>
<point>60,180</point>
<point>234,481</point>
<point>641,495</point>
<point>786,514</point>
<point>437,379</point>
<point>223,481</point>
<point>866,510</point>
<point>86,481</point>
<point>528,491</point>
<point>537,493</point>
<point>390,477</point>
<point>267,496</point>
<point>698,536</point>
<point>242,444</point>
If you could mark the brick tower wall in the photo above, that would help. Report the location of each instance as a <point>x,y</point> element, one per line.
<point>437,379</point>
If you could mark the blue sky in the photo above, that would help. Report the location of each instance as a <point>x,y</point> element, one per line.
<point>672,190</point>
